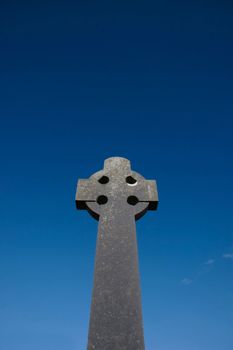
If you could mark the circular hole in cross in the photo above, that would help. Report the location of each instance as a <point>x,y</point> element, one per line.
<point>104,180</point>
<point>132,200</point>
<point>131,181</point>
<point>102,200</point>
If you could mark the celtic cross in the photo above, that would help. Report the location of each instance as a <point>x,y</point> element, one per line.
<point>116,196</point>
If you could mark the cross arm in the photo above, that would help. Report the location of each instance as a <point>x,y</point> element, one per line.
<point>87,191</point>
<point>146,191</point>
<point>152,194</point>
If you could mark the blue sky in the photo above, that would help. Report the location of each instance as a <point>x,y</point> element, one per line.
<point>149,81</point>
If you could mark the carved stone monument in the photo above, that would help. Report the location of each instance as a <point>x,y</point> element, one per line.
<point>116,196</point>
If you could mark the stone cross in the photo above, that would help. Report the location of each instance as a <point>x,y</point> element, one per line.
<point>116,196</point>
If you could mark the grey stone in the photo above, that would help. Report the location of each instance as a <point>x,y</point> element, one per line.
<point>116,196</point>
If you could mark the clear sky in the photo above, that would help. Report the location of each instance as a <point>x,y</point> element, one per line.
<point>149,81</point>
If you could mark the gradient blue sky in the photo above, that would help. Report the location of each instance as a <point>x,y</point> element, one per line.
<point>150,81</point>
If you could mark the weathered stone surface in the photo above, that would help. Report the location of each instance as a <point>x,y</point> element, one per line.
<point>116,196</point>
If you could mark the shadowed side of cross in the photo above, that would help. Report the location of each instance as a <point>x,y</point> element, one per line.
<point>118,184</point>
